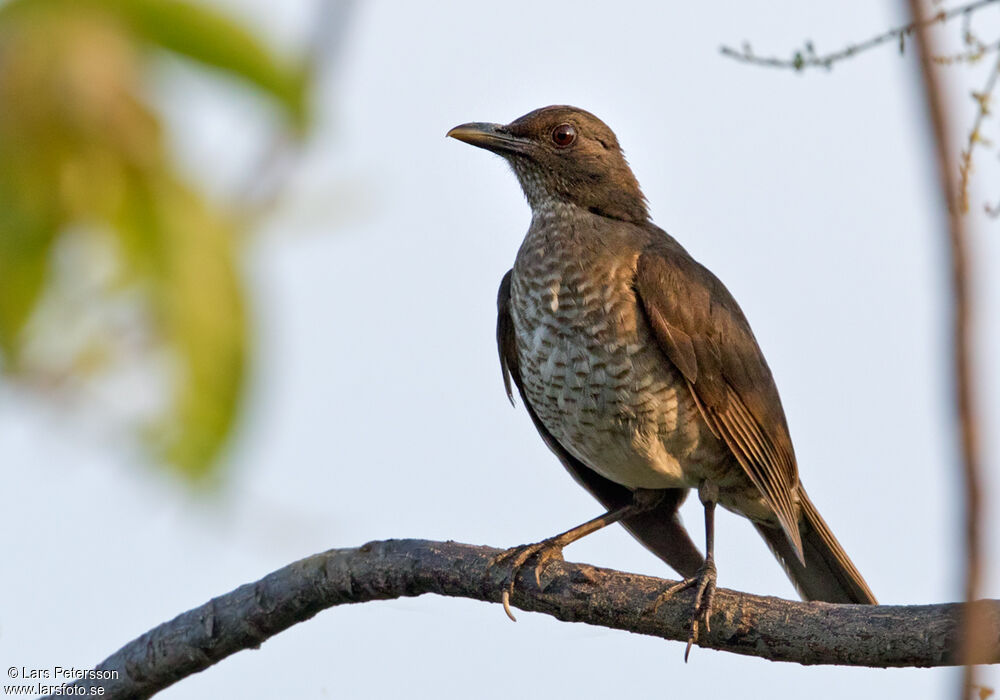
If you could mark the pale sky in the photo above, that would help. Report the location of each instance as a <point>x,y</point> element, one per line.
<point>376,408</point>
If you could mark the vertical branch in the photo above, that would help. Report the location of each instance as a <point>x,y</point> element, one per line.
<point>266,181</point>
<point>962,341</point>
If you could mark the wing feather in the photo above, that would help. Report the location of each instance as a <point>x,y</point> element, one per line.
<point>703,332</point>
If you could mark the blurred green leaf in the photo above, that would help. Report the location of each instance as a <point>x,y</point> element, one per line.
<point>212,38</point>
<point>197,296</point>
<point>198,33</point>
<point>79,147</point>
<point>24,248</point>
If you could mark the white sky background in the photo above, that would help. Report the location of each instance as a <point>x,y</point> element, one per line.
<point>377,409</point>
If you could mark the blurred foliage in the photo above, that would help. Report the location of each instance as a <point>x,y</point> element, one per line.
<point>84,166</point>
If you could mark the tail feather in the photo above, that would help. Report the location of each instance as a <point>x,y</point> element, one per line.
<point>828,573</point>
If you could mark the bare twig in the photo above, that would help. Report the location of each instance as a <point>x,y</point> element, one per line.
<point>983,100</point>
<point>808,58</point>
<point>973,55</point>
<point>770,628</point>
<point>940,120</point>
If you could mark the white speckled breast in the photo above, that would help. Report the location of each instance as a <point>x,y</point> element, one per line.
<point>590,367</point>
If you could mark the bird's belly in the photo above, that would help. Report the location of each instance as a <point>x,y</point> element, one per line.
<point>599,383</point>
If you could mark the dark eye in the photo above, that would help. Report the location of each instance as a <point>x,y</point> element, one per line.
<point>564,135</point>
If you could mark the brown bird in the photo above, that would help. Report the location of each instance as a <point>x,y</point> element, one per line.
<point>639,369</point>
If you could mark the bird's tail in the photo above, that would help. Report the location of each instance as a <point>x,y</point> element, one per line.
<point>828,573</point>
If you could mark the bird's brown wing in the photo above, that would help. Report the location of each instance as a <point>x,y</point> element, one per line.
<point>660,529</point>
<point>703,332</point>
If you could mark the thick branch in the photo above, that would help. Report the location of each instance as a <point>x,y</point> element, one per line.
<point>771,628</point>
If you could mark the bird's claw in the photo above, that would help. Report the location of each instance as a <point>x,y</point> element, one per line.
<point>515,558</point>
<point>704,584</point>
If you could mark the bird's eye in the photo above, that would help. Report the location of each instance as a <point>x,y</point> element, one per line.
<point>564,135</point>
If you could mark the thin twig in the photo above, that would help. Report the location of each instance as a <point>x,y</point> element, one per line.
<point>973,55</point>
<point>972,636</point>
<point>808,58</point>
<point>769,628</point>
<point>983,100</point>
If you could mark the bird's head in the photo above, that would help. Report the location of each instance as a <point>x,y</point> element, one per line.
<point>564,154</point>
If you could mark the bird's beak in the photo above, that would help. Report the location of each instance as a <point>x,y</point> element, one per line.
<point>492,137</point>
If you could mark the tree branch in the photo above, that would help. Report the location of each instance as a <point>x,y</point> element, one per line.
<point>268,179</point>
<point>974,633</point>
<point>771,628</point>
<point>807,57</point>
<point>983,99</point>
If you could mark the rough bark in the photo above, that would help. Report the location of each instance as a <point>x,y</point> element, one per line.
<point>770,628</point>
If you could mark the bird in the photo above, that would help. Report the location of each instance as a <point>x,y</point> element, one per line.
<point>640,371</point>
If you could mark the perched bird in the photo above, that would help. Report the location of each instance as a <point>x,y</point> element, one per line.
<point>639,369</point>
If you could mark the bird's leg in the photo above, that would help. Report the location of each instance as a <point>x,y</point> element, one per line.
<point>551,548</point>
<point>704,581</point>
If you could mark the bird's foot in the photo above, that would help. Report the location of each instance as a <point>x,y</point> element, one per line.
<point>516,557</point>
<point>704,584</point>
